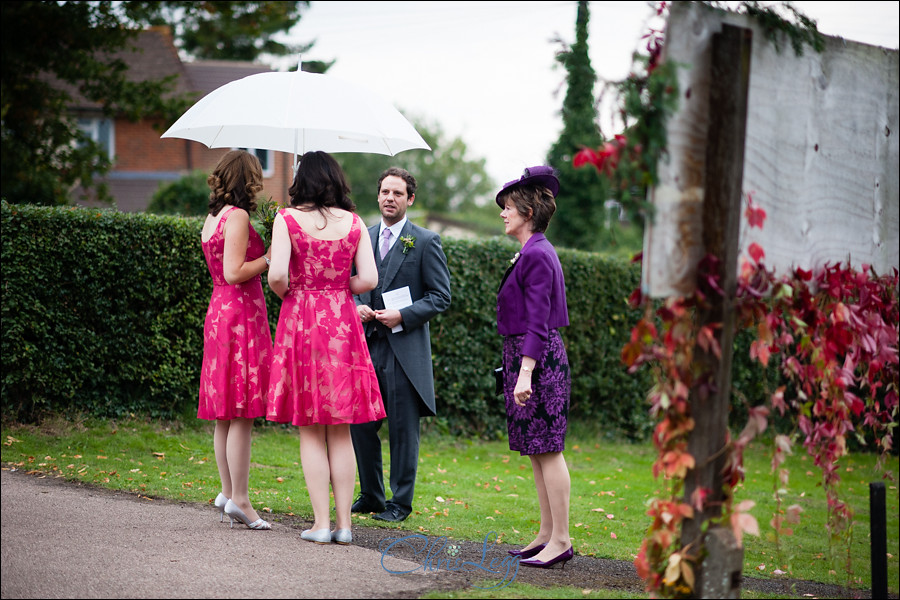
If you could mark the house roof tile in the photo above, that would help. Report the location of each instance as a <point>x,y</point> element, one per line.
<point>207,75</point>
<point>155,57</point>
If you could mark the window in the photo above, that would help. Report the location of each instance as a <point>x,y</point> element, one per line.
<point>265,159</point>
<point>101,131</point>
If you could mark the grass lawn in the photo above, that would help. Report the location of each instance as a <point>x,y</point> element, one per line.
<point>467,489</point>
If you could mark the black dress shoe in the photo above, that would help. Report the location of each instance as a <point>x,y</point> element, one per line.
<point>393,513</point>
<point>364,505</point>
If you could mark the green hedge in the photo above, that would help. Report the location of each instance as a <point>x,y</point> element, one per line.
<point>466,345</point>
<point>102,313</point>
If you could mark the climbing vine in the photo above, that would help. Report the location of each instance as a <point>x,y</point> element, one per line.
<point>647,98</point>
<point>833,333</point>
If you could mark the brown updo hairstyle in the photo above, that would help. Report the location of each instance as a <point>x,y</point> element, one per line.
<point>236,180</point>
<point>320,182</point>
<point>535,201</point>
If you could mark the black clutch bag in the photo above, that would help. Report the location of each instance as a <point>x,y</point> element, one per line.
<point>498,376</point>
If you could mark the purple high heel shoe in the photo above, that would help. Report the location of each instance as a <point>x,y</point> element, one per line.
<point>562,558</point>
<point>527,553</point>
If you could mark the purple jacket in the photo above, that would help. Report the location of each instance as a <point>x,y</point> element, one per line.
<point>532,297</point>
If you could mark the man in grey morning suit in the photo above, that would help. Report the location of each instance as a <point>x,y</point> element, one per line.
<point>400,345</point>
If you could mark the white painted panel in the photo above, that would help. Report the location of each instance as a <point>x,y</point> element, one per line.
<point>821,155</point>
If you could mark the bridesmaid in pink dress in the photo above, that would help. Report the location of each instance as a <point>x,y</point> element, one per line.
<point>237,341</point>
<point>322,375</point>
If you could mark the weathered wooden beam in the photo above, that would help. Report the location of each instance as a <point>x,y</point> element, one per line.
<point>711,395</point>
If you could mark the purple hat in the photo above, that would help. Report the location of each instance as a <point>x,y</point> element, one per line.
<point>544,176</point>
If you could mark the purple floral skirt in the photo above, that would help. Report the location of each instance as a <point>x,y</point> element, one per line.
<point>540,425</point>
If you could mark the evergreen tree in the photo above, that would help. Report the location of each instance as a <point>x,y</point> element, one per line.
<point>51,50</point>
<point>223,30</point>
<point>580,220</point>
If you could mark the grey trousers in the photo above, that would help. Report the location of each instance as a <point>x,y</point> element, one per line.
<point>402,405</point>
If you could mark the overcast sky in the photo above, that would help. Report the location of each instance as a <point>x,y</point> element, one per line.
<point>485,71</point>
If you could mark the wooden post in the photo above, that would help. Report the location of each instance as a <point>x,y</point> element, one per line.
<point>711,396</point>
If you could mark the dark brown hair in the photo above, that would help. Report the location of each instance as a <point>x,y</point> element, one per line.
<point>320,181</point>
<point>535,201</point>
<point>402,174</point>
<point>236,180</point>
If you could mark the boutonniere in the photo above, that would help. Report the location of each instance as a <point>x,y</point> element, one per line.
<point>409,242</point>
<point>513,260</point>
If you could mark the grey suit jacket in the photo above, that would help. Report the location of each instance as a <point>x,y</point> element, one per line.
<point>424,269</point>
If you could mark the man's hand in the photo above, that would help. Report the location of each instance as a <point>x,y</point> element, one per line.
<point>389,317</point>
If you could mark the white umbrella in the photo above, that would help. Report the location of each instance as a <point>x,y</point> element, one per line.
<point>297,112</point>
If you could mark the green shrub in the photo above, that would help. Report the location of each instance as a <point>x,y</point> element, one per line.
<point>103,314</point>
<point>188,196</point>
<point>102,311</point>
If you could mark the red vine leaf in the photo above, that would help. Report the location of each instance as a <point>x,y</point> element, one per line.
<point>756,252</point>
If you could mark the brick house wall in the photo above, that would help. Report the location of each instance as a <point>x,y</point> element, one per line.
<point>142,161</point>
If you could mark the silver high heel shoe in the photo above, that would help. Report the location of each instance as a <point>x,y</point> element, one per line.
<point>234,512</point>
<point>319,536</point>
<point>220,503</point>
<point>341,536</point>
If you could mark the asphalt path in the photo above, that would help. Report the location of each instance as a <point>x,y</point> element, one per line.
<point>65,541</point>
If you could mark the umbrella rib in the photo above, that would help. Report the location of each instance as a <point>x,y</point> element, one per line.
<point>216,137</point>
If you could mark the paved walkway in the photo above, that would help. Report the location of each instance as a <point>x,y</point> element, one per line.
<point>61,539</point>
<point>65,541</point>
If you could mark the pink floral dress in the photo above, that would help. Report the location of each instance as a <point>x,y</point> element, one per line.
<point>237,341</point>
<point>321,371</point>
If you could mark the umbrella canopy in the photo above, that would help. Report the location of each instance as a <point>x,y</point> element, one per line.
<point>297,112</point>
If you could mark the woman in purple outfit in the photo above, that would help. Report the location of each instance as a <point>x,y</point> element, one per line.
<point>531,307</point>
